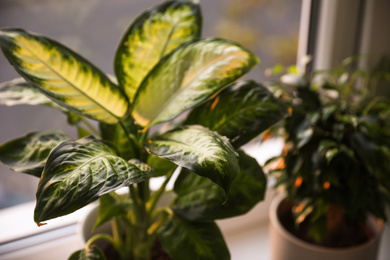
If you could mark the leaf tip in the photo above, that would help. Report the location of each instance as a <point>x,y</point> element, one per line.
<point>39,224</point>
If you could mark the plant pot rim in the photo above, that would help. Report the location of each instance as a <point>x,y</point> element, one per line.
<point>376,225</point>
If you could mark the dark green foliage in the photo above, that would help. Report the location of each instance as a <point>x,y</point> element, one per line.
<point>337,148</point>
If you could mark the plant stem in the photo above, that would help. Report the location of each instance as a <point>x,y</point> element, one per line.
<point>116,233</point>
<point>129,136</point>
<point>106,237</point>
<point>142,242</point>
<point>144,134</point>
<point>160,217</point>
<point>156,196</point>
<point>116,244</point>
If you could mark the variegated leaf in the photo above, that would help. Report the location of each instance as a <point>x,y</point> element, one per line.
<point>19,92</point>
<point>79,172</point>
<point>204,152</point>
<point>28,154</point>
<point>63,75</point>
<point>190,75</point>
<point>190,240</point>
<point>241,112</point>
<point>152,35</point>
<point>198,199</point>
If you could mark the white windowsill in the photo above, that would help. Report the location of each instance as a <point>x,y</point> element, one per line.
<point>20,238</point>
<point>246,236</point>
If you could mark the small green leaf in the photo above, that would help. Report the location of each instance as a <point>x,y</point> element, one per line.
<point>276,70</point>
<point>200,150</point>
<point>63,75</point>
<point>304,136</point>
<point>190,75</point>
<point>183,239</point>
<point>318,229</point>
<point>90,253</point>
<point>152,35</point>
<point>161,166</point>
<point>28,154</point>
<point>79,172</point>
<point>20,92</point>
<point>201,200</point>
<point>241,112</point>
<point>112,206</point>
<point>82,132</point>
<point>331,153</point>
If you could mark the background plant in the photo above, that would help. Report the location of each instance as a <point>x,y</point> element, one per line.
<point>164,71</point>
<point>335,163</point>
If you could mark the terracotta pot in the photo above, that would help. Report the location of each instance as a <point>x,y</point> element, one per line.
<point>285,246</point>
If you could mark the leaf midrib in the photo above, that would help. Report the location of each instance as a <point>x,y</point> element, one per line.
<point>168,39</point>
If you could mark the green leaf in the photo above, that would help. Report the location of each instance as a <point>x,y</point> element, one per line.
<point>63,75</point>
<point>241,112</point>
<point>90,253</point>
<point>152,35</point>
<point>161,166</point>
<point>20,92</point>
<point>28,153</point>
<point>183,239</point>
<point>125,143</point>
<point>374,156</point>
<point>190,75</point>
<point>79,172</point>
<point>304,136</point>
<point>112,206</point>
<point>331,153</point>
<point>200,150</point>
<point>82,132</point>
<point>201,200</point>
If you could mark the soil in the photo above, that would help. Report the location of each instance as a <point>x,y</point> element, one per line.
<point>346,234</point>
<point>158,252</point>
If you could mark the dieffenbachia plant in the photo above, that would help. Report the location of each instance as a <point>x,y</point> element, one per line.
<point>163,68</point>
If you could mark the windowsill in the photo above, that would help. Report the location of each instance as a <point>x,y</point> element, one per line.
<point>246,236</point>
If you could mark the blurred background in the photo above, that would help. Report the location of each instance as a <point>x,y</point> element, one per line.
<point>93,28</point>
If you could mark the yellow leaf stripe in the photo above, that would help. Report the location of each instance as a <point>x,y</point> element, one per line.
<point>151,37</point>
<point>192,74</point>
<point>66,77</point>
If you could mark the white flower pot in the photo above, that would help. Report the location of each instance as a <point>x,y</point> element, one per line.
<point>86,226</point>
<point>285,246</point>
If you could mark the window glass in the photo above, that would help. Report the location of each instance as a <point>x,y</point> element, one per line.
<point>93,28</point>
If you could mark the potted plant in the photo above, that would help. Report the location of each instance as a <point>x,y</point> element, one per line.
<point>174,101</point>
<point>334,168</point>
